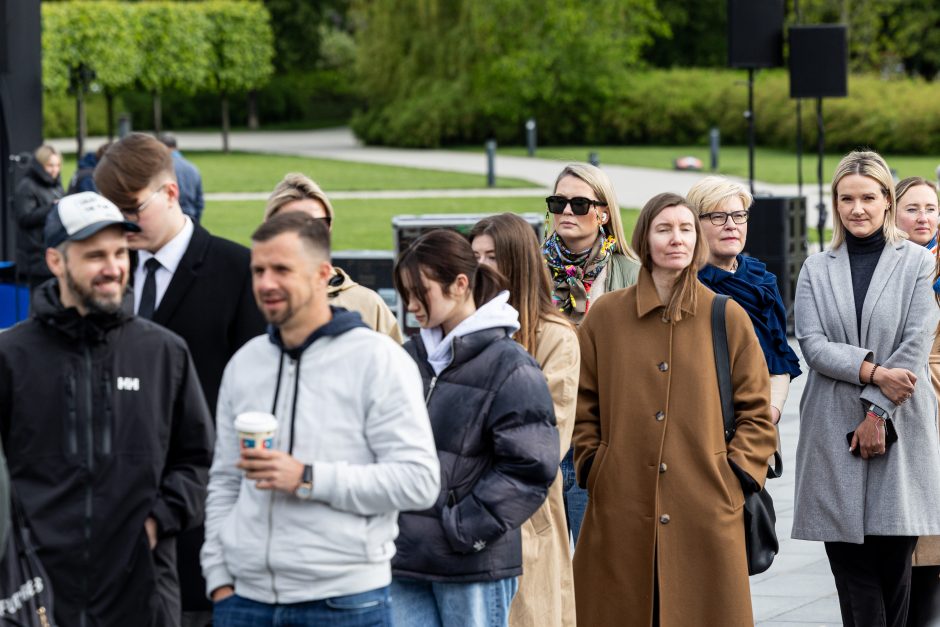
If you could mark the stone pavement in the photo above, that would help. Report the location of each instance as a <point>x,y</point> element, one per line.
<point>634,186</point>
<point>798,590</point>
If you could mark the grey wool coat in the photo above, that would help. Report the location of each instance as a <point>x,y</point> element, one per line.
<point>840,497</point>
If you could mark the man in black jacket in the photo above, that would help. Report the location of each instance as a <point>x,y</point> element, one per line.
<point>106,431</point>
<point>195,284</point>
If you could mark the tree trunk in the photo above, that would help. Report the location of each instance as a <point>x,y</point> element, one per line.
<point>157,113</point>
<point>109,100</point>
<point>79,120</point>
<point>253,110</point>
<point>225,123</point>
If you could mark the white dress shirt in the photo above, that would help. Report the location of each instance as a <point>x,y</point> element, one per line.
<point>169,257</point>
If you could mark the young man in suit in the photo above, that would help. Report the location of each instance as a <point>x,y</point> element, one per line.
<point>186,279</point>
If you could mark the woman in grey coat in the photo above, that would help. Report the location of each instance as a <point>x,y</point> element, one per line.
<point>865,318</point>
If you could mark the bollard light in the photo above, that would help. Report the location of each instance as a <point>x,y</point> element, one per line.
<point>531,131</point>
<point>491,163</point>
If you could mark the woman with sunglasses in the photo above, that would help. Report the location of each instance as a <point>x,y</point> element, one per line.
<point>587,256</point>
<point>917,216</point>
<point>508,244</point>
<point>723,210</point>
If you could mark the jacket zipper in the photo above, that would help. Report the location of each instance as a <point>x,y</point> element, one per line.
<point>108,414</point>
<point>267,551</point>
<point>71,389</point>
<point>427,398</point>
<point>90,461</point>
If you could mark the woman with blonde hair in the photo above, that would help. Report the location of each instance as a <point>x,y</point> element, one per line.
<point>587,256</point>
<point>297,192</point>
<point>508,243</point>
<point>36,194</point>
<point>917,216</point>
<point>723,208</point>
<point>663,536</point>
<point>867,468</point>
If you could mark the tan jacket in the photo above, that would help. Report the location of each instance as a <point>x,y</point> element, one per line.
<point>649,443</point>
<point>346,293</point>
<point>927,552</point>
<point>546,588</point>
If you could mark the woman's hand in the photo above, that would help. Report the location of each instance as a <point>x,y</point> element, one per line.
<point>869,437</point>
<point>895,383</point>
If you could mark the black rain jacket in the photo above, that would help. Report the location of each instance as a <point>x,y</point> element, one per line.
<point>103,424</point>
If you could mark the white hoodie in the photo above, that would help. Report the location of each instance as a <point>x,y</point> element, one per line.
<point>493,314</point>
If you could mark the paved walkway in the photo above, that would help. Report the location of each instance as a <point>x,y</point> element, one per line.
<point>634,186</point>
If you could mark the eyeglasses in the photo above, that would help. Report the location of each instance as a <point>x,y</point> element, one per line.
<point>916,211</point>
<point>720,218</point>
<point>135,213</point>
<point>579,205</point>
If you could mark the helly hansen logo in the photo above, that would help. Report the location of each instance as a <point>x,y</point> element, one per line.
<point>131,384</point>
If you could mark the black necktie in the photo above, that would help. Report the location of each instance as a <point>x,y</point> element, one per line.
<point>148,297</point>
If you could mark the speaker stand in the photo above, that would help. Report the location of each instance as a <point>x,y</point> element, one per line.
<point>821,206</point>
<point>749,114</point>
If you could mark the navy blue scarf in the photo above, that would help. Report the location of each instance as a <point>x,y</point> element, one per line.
<point>755,289</point>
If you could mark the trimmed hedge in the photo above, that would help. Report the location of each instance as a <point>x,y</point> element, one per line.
<point>671,107</point>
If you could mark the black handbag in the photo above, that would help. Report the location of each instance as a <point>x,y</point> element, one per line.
<point>25,589</point>
<point>760,534</point>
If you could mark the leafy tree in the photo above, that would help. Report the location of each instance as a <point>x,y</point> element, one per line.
<point>89,44</point>
<point>697,35</point>
<point>298,32</point>
<point>438,71</point>
<point>176,50</point>
<point>241,51</point>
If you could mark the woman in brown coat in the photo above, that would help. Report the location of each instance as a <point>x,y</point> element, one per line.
<point>663,536</point>
<point>507,242</point>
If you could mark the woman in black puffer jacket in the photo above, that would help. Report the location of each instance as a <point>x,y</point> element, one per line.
<point>494,427</point>
<point>36,193</point>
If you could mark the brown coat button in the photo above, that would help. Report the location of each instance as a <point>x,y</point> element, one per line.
<point>663,467</point>
<point>660,415</point>
<point>664,519</point>
<point>663,366</point>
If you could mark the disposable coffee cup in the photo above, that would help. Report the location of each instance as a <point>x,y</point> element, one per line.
<point>255,429</point>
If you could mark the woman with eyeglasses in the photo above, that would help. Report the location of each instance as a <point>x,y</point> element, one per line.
<point>917,216</point>
<point>587,256</point>
<point>867,463</point>
<point>723,209</point>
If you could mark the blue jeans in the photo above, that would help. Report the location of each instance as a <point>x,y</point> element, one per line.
<point>366,609</point>
<point>575,497</point>
<point>431,604</point>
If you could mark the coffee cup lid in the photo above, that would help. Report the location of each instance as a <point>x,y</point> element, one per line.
<point>255,422</point>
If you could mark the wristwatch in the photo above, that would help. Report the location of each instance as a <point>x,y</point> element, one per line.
<point>305,490</point>
<point>877,411</point>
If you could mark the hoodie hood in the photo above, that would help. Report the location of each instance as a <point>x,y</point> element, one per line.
<point>92,328</point>
<point>37,172</point>
<point>341,322</point>
<point>88,160</point>
<point>339,282</point>
<point>495,314</point>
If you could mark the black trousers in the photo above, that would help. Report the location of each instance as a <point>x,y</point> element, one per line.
<point>925,597</point>
<point>873,580</point>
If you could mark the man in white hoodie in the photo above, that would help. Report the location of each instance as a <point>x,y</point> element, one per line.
<point>303,533</point>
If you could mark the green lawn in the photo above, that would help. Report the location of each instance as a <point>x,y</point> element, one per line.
<point>256,172</point>
<point>770,165</point>
<point>365,224</point>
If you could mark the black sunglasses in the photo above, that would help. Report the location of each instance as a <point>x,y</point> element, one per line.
<point>579,205</point>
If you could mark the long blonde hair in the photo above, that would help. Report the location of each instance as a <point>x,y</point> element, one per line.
<point>871,164</point>
<point>600,184</point>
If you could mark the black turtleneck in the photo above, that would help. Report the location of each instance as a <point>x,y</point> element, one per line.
<point>864,253</point>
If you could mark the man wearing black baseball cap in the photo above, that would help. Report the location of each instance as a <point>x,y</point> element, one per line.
<point>106,431</point>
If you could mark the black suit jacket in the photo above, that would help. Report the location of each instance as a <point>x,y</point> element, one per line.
<point>209,302</point>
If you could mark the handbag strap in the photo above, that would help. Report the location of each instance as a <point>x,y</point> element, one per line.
<point>723,363</point>
<point>723,367</point>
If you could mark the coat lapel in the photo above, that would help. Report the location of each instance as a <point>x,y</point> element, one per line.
<point>840,282</point>
<point>185,274</point>
<point>890,257</point>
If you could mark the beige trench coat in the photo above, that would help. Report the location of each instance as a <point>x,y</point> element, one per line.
<point>546,588</point>
<point>927,552</point>
<point>649,442</point>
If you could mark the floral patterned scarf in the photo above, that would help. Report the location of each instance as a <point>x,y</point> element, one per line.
<point>573,274</point>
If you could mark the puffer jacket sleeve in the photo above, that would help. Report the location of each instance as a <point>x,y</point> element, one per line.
<point>524,441</point>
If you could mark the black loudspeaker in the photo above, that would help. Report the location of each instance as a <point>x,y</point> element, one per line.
<point>755,33</point>
<point>819,61</point>
<point>20,101</point>
<point>776,235</point>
